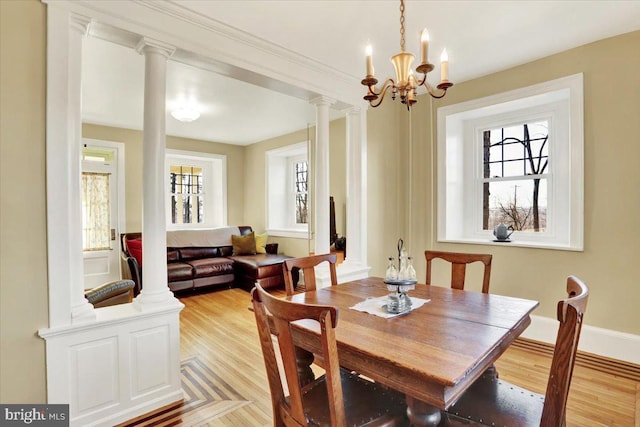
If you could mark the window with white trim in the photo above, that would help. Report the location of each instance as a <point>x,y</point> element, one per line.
<point>288,199</point>
<point>300,167</point>
<point>197,191</point>
<point>514,158</point>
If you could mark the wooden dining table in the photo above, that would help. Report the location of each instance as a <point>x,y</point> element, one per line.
<point>432,354</point>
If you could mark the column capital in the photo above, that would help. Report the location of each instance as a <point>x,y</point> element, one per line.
<point>79,23</point>
<point>147,44</point>
<point>352,110</point>
<point>322,100</point>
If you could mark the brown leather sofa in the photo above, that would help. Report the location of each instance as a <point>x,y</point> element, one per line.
<point>194,267</point>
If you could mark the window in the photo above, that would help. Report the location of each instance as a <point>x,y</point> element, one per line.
<point>514,158</point>
<point>187,195</point>
<point>96,208</point>
<point>288,198</point>
<point>196,190</point>
<point>301,189</point>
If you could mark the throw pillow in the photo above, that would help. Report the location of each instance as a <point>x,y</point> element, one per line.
<point>261,243</point>
<point>134,246</point>
<point>244,245</point>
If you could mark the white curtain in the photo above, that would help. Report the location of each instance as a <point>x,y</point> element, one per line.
<point>95,211</point>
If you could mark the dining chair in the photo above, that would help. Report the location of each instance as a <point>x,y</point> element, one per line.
<point>307,264</point>
<point>338,397</point>
<point>495,402</point>
<point>459,262</point>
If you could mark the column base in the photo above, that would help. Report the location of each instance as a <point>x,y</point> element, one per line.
<point>146,301</point>
<point>82,313</point>
<point>346,272</point>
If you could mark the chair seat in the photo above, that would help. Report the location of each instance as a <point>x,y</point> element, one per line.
<point>364,401</point>
<point>494,402</point>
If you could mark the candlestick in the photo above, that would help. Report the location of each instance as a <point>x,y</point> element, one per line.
<point>444,70</point>
<point>424,44</point>
<point>369,53</point>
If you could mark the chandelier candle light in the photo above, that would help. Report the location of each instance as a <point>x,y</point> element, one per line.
<point>405,85</point>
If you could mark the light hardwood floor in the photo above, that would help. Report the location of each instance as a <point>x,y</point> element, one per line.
<point>218,329</point>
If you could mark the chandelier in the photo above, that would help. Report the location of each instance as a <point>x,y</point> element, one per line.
<point>406,84</point>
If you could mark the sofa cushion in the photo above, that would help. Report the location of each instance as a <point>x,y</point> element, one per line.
<point>134,246</point>
<point>177,271</point>
<point>211,267</point>
<point>261,243</point>
<point>259,265</point>
<point>198,252</point>
<point>172,254</point>
<point>244,245</point>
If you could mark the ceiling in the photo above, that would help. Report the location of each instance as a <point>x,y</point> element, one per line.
<point>481,37</point>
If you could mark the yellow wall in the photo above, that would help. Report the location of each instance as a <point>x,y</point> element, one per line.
<point>133,169</point>
<point>23,233</point>
<point>609,263</point>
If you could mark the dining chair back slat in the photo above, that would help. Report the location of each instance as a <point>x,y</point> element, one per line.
<point>459,262</point>
<point>307,265</point>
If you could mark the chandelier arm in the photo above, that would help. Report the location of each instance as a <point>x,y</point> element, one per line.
<point>389,83</point>
<point>433,94</point>
<point>423,81</point>
<point>386,85</point>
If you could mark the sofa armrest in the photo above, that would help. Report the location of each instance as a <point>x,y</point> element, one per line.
<point>112,293</point>
<point>271,248</point>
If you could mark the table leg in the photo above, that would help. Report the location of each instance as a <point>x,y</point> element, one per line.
<point>422,414</point>
<point>304,360</point>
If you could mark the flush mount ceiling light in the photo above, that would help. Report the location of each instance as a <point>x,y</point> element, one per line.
<point>406,84</point>
<point>185,114</point>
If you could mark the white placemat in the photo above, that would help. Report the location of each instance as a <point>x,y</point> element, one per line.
<point>375,306</point>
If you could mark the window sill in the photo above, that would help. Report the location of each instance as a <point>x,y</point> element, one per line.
<point>294,234</point>
<point>517,243</point>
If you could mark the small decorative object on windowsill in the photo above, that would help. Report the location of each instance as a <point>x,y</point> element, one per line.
<point>400,280</point>
<point>502,233</point>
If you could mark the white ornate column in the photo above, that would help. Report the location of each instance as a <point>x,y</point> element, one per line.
<point>355,263</point>
<point>67,304</point>
<point>155,289</point>
<point>321,173</point>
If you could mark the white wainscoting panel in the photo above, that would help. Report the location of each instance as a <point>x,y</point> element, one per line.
<point>94,379</point>
<point>149,360</point>
<point>123,365</point>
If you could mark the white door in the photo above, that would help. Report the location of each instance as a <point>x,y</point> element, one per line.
<point>102,207</point>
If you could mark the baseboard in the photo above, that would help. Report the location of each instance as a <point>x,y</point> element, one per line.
<point>596,341</point>
<point>588,360</point>
<point>349,270</point>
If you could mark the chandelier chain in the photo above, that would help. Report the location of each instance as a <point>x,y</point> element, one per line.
<point>402,25</point>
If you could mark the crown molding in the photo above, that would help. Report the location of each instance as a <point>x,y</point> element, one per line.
<point>226,50</point>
